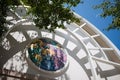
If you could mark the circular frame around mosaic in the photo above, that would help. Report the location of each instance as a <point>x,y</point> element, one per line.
<point>47,56</point>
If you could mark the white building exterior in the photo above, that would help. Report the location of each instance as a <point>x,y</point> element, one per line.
<point>92,55</point>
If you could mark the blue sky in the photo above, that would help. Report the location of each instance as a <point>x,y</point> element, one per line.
<point>92,15</point>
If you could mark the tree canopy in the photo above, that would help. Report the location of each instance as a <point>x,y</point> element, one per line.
<point>111,8</point>
<point>4,7</point>
<point>51,14</point>
<point>48,14</point>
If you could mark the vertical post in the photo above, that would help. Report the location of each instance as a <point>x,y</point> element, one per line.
<point>92,67</point>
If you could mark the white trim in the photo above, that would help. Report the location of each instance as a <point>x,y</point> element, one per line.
<point>106,61</point>
<point>108,41</point>
<point>95,43</point>
<point>94,73</point>
<point>75,30</point>
<point>93,36</point>
<point>83,25</point>
<point>108,49</point>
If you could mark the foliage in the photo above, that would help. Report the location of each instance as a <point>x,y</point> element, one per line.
<point>111,8</point>
<point>4,7</point>
<point>47,14</point>
<point>50,14</point>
